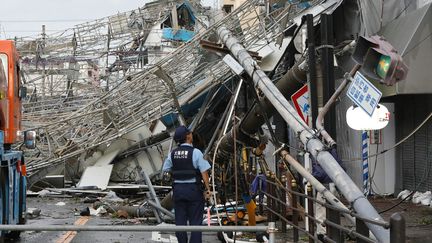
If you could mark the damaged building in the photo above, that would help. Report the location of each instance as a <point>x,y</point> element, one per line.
<point>105,97</point>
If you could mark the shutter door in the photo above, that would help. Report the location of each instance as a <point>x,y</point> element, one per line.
<point>414,155</point>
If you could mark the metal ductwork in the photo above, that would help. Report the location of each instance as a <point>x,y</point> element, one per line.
<point>250,125</point>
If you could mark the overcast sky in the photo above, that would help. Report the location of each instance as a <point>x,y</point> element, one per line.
<point>25,17</point>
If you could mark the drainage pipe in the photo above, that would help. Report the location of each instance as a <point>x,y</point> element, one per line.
<point>292,81</point>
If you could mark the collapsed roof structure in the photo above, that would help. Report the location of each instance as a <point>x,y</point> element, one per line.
<point>109,91</point>
<point>81,119</point>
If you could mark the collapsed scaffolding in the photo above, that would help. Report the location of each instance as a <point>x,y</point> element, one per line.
<point>143,97</point>
<point>66,70</point>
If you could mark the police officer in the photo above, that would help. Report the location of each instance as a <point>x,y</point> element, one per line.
<point>188,167</point>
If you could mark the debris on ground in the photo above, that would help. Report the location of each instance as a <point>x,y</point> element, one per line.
<point>90,199</point>
<point>112,197</point>
<point>85,212</point>
<point>98,212</point>
<point>122,214</point>
<point>47,193</point>
<point>33,213</point>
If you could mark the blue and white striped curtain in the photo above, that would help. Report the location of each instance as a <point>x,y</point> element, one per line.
<point>366,186</point>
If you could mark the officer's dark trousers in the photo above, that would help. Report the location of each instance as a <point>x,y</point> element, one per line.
<point>189,206</point>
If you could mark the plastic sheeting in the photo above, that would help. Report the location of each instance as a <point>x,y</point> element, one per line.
<point>178,35</point>
<point>376,14</point>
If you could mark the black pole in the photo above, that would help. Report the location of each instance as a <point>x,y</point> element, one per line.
<point>312,78</point>
<point>295,213</point>
<point>397,228</point>
<point>333,232</point>
<point>311,213</point>
<point>327,67</point>
<point>362,229</point>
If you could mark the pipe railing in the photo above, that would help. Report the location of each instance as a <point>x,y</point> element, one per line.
<point>328,205</point>
<point>396,224</point>
<point>308,137</point>
<point>143,228</point>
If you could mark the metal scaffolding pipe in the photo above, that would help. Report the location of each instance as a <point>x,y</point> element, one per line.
<point>153,195</point>
<point>156,228</point>
<point>332,199</point>
<point>313,144</point>
<point>292,81</point>
<point>162,209</point>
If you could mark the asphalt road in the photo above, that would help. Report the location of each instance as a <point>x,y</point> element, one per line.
<point>68,214</point>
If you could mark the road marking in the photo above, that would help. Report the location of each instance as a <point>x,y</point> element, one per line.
<point>68,236</point>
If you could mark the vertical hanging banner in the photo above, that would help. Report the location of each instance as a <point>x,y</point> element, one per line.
<point>365,162</point>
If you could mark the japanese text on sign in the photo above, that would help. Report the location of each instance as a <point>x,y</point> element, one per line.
<point>364,94</point>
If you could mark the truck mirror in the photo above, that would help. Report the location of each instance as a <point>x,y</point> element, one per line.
<point>30,139</point>
<point>22,92</point>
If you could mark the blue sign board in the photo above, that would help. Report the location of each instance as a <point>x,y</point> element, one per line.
<point>363,93</point>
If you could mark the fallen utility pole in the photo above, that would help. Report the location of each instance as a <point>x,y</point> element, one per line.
<point>332,199</point>
<point>314,145</point>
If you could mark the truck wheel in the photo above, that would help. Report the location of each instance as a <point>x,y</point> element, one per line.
<point>13,235</point>
<point>22,202</point>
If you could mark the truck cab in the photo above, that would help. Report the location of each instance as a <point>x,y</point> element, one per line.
<point>12,169</point>
<point>10,87</point>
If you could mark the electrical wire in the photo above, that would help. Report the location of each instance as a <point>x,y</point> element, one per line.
<point>403,10</point>
<point>398,143</point>
<point>371,181</point>
<point>420,42</point>
<point>425,175</point>
<point>411,194</point>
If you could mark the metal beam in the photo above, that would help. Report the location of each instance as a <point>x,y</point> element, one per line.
<point>143,228</point>
<point>170,83</point>
<point>332,199</point>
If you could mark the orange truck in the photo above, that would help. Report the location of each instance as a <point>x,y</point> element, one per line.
<point>12,169</point>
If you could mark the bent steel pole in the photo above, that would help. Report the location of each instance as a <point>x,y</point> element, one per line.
<point>332,199</point>
<point>289,83</point>
<point>351,192</point>
<point>319,121</point>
